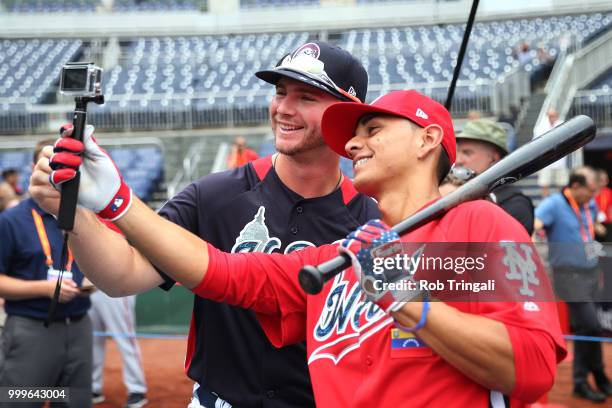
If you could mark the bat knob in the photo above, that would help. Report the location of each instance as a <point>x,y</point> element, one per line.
<point>310,279</point>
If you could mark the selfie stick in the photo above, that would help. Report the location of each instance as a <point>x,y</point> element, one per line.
<point>70,189</point>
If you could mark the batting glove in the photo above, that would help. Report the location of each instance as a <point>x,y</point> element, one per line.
<point>101,188</point>
<point>368,246</point>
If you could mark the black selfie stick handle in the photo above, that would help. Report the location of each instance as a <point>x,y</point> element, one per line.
<point>70,189</point>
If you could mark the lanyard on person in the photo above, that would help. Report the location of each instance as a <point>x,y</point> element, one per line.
<point>587,213</point>
<point>44,242</point>
<point>65,265</point>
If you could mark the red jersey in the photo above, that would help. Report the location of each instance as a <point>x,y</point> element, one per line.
<point>604,203</point>
<point>238,159</point>
<point>355,354</point>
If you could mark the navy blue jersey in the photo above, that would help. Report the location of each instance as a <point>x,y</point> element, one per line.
<point>22,257</point>
<point>243,210</point>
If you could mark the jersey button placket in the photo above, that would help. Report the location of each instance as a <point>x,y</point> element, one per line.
<point>271,394</point>
<point>294,230</point>
<point>299,209</point>
<point>368,361</point>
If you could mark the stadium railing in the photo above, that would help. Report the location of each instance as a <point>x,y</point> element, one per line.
<point>595,103</point>
<point>576,71</point>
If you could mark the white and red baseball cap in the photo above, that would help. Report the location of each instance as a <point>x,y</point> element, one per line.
<point>340,119</point>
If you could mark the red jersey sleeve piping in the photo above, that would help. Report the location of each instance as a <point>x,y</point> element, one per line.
<point>262,166</point>
<point>348,190</point>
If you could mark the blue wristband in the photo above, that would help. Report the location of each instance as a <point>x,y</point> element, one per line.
<point>421,322</point>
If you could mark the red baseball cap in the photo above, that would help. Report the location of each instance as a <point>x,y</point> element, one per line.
<point>340,119</point>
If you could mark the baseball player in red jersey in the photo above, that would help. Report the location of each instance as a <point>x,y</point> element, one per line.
<point>393,348</point>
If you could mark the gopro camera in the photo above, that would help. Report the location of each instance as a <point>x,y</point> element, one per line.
<point>81,79</point>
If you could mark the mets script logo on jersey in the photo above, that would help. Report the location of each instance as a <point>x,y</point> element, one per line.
<point>255,237</point>
<point>345,321</point>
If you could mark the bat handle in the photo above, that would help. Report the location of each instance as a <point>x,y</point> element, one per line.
<point>312,278</point>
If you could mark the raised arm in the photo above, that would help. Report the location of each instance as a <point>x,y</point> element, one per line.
<point>120,266</point>
<point>105,257</point>
<point>174,250</point>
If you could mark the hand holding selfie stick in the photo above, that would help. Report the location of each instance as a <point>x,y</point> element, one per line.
<point>84,81</point>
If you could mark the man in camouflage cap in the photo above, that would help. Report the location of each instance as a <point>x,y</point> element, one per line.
<point>480,145</point>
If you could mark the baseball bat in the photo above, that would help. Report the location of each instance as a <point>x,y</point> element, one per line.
<point>526,160</point>
<point>461,55</point>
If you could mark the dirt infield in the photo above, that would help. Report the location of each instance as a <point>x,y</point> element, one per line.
<point>561,393</point>
<point>163,361</point>
<point>170,388</point>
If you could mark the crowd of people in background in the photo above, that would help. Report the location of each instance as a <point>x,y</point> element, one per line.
<point>539,62</point>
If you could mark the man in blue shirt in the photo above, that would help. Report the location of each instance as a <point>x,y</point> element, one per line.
<point>59,355</point>
<point>569,217</point>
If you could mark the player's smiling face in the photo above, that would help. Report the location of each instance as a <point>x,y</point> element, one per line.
<point>382,151</point>
<point>295,116</point>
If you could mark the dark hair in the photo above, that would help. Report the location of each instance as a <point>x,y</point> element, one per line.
<point>577,178</point>
<point>39,146</point>
<point>579,175</point>
<point>444,166</point>
<point>8,172</point>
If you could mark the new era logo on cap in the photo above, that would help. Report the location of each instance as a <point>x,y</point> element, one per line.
<point>421,114</point>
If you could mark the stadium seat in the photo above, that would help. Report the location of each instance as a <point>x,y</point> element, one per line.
<point>211,78</point>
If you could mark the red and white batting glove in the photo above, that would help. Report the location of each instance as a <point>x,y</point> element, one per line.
<point>368,246</point>
<point>101,188</point>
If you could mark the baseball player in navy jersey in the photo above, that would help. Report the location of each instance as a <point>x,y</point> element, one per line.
<point>282,203</point>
